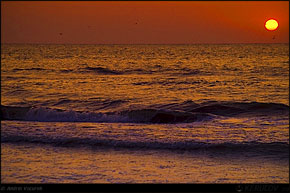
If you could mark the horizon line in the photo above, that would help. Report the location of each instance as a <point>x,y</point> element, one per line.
<point>142,43</point>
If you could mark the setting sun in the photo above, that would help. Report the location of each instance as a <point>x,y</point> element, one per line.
<point>271,24</point>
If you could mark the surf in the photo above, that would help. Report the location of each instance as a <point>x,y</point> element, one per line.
<point>171,113</point>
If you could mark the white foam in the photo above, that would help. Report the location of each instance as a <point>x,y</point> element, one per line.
<point>51,115</point>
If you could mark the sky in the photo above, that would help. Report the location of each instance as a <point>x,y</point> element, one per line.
<point>143,22</point>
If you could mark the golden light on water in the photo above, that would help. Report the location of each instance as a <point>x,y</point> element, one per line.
<point>271,24</point>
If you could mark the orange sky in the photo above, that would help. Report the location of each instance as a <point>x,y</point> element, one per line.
<point>143,22</point>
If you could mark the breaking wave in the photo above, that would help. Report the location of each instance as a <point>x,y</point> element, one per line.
<point>126,116</point>
<point>185,112</point>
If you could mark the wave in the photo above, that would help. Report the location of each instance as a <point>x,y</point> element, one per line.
<point>28,69</point>
<point>100,70</point>
<point>91,101</point>
<point>190,71</point>
<point>127,116</point>
<point>107,71</point>
<point>185,112</point>
<point>242,108</point>
<point>275,147</point>
<point>228,108</point>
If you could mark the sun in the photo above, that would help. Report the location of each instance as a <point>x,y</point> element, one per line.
<point>271,24</point>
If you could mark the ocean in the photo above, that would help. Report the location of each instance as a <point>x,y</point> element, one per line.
<point>145,113</point>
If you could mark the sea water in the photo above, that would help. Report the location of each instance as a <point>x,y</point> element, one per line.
<point>145,113</point>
